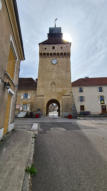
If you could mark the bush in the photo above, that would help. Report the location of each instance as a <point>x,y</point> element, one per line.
<point>31,170</point>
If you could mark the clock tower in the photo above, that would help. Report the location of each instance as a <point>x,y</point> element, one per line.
<point>54,75</point>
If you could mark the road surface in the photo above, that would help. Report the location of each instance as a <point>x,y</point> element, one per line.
<point>71,156</point>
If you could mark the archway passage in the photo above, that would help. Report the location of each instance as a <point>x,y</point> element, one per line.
<point>53,108</point>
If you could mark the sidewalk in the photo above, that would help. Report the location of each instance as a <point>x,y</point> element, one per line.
<point>16,152</point>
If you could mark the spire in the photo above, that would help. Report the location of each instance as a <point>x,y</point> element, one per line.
<point>55,22</point>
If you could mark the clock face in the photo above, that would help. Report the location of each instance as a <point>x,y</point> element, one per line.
<point>54,61</point>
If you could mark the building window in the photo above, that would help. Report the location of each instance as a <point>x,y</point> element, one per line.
<point>82,108</point>
<point>25,96</point>
<point>102,100</point>
<point>53,47</point>
<point>100,89</point>
<point>81,98</point>
<point>103,109</point>
<point>80,89</point>
<point>24,107</point>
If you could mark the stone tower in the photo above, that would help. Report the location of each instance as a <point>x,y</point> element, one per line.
<point>54,75</point>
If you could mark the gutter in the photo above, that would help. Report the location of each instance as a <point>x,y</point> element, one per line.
<point>18,23</point>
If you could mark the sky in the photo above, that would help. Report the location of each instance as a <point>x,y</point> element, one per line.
<point>84,20</point>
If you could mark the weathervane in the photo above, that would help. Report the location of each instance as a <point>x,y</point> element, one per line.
<point>55,21</point>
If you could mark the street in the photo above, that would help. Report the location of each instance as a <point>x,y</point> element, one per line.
<point>71,156</point>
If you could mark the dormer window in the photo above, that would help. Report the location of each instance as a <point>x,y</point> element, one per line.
<point>80,89</point>
<point>100,89</point>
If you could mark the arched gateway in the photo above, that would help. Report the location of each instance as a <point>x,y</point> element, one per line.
<point>54,74</point>
<point>53,106</point>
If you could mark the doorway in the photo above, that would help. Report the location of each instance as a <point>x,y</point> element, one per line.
<point>53,108</point>
<point>103,108</point>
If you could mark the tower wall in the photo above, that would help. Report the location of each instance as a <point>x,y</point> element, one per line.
<point>54,75</point>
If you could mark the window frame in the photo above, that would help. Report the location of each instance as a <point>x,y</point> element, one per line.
<point>24,108</point>
<point>25,96</point>
<point>99,89</point>
<point>83,107</point>
<point>81,98</point>
<point>80,89</point>
<point>103,100</point>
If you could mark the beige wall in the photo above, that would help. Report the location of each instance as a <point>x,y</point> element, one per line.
<point>92,101</point>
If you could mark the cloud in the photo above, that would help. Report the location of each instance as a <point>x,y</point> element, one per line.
<point>85,20</point>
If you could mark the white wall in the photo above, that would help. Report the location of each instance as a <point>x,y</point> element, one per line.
<point>92,101</point>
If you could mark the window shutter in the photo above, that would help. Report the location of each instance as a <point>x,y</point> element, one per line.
<point>28,107</point>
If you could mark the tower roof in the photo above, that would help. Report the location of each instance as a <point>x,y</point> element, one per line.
<point>55,36</point>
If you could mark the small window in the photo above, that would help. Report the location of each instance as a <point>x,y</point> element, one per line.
<point>81,98</point>
<point>82,108</point>
<point>100,89</point>
<point>80,89</point>
<point>45,48</point>
<point>25,96</point>
<point>103,108</point>
<point>102,100</point>
<point>61,47</point>
<point>25,107</point>
<point>53,47</point>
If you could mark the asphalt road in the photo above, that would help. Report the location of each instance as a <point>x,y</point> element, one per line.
<point>71,156</point>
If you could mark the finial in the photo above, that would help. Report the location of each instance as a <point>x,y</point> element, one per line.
<point>55,21</point>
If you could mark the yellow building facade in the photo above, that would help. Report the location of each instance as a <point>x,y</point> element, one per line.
<point>11,53</point>
<point>26,96</point>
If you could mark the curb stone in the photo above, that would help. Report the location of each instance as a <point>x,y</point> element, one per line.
<point>27,185</point>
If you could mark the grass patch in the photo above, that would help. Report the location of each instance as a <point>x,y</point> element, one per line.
<point>31,170</point>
